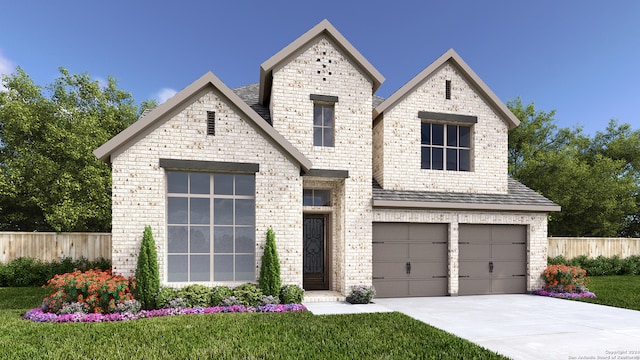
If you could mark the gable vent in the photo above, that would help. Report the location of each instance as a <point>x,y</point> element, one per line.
<point>447,89</point>
<point>211,122</point>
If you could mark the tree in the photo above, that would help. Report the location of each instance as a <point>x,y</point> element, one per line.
<point>147,276</point>
<point>596,190</point>
<point>49,177</point>
<point>270,267</point>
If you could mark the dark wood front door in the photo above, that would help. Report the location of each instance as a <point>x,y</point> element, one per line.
<point>314,262</point>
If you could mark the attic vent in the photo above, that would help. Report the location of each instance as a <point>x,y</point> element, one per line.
<point>211,122</point>
<point>447,89</point>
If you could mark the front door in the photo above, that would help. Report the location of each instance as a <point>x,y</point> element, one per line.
<point>314,262</point>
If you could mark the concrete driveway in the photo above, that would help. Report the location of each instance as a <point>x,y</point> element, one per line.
<point>530,327</point>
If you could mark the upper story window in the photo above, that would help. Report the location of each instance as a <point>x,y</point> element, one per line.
<point>311,197</point>
<point>323,120</point>
<point>445,147</point>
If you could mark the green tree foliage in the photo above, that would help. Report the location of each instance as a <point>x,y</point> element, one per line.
<point>49,177</point>
<point>593,179</point>
<point>147,275</point>
<point>270,268</point>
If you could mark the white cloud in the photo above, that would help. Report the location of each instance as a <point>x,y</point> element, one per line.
<point>6,67</point>
<point>164,94</point>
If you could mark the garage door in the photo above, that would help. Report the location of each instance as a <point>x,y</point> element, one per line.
<point>410,259</point>
<point>493,259</point>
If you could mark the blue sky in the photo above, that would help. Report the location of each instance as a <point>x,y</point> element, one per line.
<point>579,57</point>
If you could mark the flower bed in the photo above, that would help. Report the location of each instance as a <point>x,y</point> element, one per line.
<point>37,315</point>
<point>565,295</point>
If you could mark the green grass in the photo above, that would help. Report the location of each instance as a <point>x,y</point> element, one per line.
<point>619,291</point>
<point>227,336</point>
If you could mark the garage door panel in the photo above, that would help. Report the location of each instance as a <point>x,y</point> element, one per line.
<point>474,268</point>
<point>509,285</point>
<point>506,234</point>
<point>475,234</point>
<point>391,270</point>
<point>509,251</point>
<point>437,287</point>
<point>390,232</point>
<point>474,286</point>
<point>508,268</point>
<point>428,232</point>
<point>387,251</point>
<point>390,288</point>
<point>428,269</point>
<point>472,252</point>
<point>428,251</point>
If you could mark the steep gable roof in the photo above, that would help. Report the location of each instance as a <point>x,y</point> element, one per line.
<point>453,58</point>
<point>323,28</point>
<point>182,98</point>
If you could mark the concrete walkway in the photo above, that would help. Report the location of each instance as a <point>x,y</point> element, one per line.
<point>521,326</point>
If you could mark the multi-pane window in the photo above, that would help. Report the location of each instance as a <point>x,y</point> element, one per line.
<point>312,197</point>
<point>446,147</point>
<point>323,124</point>
<point>211,227</point>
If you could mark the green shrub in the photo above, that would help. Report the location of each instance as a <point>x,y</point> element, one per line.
<point>361,294</point>
<point>601,266</point>
<point>291,294</point>
<point>270,267</point>
<point>218,294</point>
<point>26,271</point>
<point>558,260</point>
<point>165,294</point>
<point>248,294</point>
<point>631,265</point>
<point>147,276</point>
<point>195,295</point>
<point>130,306</point>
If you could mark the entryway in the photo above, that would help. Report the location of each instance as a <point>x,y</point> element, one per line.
<point>315,260</point>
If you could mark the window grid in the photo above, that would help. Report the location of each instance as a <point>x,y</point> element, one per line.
<point>211,224</point>
<point>323,124</point>
<point>445,146</point>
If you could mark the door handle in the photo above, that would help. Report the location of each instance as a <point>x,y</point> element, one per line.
<point>408,268</point>
<point>490,266</point>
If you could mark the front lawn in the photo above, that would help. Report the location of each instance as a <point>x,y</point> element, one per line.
<point>620,291</point>
<point>226,336</point>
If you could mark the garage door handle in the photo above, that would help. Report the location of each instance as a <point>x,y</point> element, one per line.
<point>490,266</point>
<point>408,267</point>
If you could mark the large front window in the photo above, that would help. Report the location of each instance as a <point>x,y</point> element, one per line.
<point>445,147</point>
<point>211,227</point>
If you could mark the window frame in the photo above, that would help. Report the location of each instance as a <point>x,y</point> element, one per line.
<point>445,148</point>
<point>213,225</point>
<point>324,102</point>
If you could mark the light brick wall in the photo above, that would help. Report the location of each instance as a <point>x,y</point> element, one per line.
<point>536,232</point>
<point>400,134</point>
<point>322,69</point>
<point>139,187</point>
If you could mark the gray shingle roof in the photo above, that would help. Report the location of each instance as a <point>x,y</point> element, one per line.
<point>519,197</point>
<point>250,95</point>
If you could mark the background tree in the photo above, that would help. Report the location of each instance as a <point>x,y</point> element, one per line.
<point>49,177</point>
<point>591,178</point>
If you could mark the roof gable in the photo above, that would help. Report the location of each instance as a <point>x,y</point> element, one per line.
<point>146,122</point>
<point>323,28</point>
<point>453,58</point>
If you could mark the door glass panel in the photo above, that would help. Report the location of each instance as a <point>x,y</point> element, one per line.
<point>313,261</point>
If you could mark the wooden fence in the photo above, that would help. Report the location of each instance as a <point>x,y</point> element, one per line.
<point>49,246</point>
<point>593,247</point>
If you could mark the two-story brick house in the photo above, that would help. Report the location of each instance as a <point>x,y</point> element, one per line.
<point>410,193</point>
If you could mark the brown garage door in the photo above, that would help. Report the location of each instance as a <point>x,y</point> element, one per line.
<point>409,259</point>
<point>493,259</point>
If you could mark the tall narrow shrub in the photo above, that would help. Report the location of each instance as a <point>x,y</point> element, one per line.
<point>147,276</point>
<point>270,268</point>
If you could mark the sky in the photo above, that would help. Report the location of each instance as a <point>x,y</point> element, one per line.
<point>579,58</point>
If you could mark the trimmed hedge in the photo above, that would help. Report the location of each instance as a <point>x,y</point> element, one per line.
<point>601,265</point>
<point>26,271</point>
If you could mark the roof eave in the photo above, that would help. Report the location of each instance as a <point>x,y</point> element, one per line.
<point>324,27</point>
<point>464,206</point>
<point>417,80</point>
